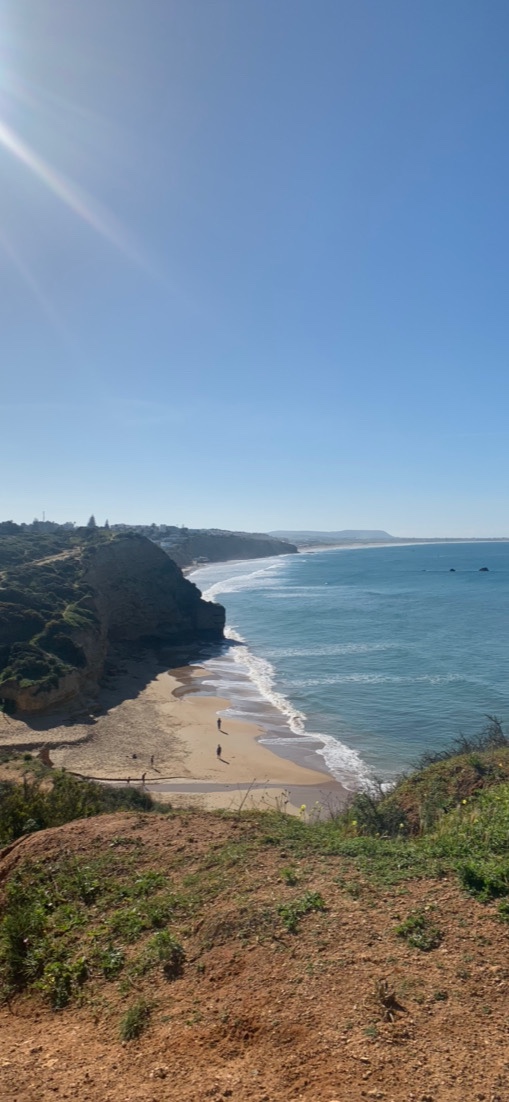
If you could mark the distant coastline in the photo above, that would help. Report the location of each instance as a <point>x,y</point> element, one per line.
<point>399,541</point>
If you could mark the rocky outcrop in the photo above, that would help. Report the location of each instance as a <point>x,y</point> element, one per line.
<point>64,614</point>
<point>140,593</point>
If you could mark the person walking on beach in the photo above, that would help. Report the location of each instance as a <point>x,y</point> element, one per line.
<point>143,775</point>
<point>218,751</point>
<point>219,723</point>
<point>152,761</point>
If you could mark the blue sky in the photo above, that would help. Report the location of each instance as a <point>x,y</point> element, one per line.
<point>254,263</point>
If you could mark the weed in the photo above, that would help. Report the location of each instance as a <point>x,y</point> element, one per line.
<point>290,876</point>
<point>419,931</point>
<point>127,924</point>
<point>111,961</point>
<point>163,949</point>
<point>60,981</point>
<point>291,913</point>
<point>385,997</point>
<point>352,887</point>
<point>146,885</point>
<point>487,879</point>
<point>23,930</point>
<point>135,1020</point>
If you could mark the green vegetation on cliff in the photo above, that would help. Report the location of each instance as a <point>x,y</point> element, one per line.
<point>43,598</point>
<point>65,595</point>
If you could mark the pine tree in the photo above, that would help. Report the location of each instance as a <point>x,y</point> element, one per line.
<point>91,522</point>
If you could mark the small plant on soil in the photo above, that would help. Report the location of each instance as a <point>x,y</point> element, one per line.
<point>386,998</point>
<point>135,1020</point>
<point>111,961</point>
<point>420,932</point>
<point>290,876</point>
<point>163,949</point>
<point>61,981</point>
<point>291,913</point>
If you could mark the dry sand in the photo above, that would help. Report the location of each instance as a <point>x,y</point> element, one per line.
<point>151,724</point>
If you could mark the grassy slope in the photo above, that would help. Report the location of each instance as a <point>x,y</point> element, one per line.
<point>44,604</point>
<point>468,838</point>
<point>259,943</point>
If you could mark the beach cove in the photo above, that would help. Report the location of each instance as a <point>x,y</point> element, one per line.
<point>162,726</point>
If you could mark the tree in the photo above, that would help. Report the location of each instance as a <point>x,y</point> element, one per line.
<point>106,524</point>
<point>91,522</point>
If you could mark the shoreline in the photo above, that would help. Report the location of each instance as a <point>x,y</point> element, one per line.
<point>277,714</point>
<point>158,729</point>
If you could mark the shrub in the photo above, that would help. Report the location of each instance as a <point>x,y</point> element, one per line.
<point>61,979</point>
<point>32,806</point>
<point>491,737</point>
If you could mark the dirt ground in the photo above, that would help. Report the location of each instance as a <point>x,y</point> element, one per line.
<point>340,1011</point>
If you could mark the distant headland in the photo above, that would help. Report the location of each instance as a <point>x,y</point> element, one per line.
<point>361,537</point>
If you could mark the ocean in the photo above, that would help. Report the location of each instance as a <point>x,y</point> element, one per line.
<point>359,660</point>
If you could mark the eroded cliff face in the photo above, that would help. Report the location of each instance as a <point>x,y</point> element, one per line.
<point>140,593</point>
<point>76,605</point>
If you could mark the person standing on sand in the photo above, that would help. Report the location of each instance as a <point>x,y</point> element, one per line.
<point>143,775</point>
<point>219,724</point>
<point>218,751</point>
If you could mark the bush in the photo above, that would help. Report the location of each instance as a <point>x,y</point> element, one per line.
<point>32,806</point>
<point>490,738</point>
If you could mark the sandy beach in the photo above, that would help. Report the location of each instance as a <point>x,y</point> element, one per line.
<point>158,725</point>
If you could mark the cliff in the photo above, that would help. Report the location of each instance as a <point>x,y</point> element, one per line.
<point>59,614</point>
<point>213,545</point>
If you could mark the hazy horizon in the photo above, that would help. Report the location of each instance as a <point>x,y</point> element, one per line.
<point>278,531</point>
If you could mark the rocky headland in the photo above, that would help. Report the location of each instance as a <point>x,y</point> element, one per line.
<point>68,597</point>
<point>191,545</point>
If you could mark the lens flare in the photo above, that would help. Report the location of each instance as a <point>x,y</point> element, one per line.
<point>70,194</point>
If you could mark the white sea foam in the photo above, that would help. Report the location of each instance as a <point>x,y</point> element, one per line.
<point>233,582</point>
<point>258,680</point>
<point>343,763</point>
<point>261,673</point>
<point>346,765</point>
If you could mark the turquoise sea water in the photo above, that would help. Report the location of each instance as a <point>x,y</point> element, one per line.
<point>383,652</point>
